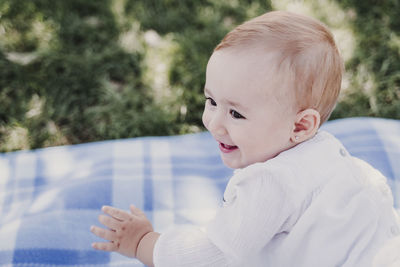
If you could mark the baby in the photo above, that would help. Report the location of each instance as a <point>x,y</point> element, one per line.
<point>297,198</point>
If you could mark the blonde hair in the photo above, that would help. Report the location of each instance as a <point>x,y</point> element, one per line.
<point>306,49</point>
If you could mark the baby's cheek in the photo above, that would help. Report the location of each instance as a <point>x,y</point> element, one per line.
<point>205,118</point>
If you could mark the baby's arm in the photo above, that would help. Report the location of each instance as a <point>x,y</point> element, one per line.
<point>130,234</point>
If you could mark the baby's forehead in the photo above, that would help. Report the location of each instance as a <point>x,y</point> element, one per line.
<point>259,67</point>
<point>256,59</point>
<point>265,64</point>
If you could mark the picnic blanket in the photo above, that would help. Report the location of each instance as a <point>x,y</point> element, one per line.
<point>50,197</point>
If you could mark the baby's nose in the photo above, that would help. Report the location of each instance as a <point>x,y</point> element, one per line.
<point>217,126</point>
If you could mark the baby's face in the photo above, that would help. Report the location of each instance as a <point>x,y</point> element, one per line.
<point>242,110</point>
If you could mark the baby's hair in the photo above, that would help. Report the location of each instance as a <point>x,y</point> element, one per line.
<point>306,51</point>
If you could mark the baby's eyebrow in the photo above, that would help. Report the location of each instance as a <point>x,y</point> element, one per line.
<point>229,102</point>
<point>237,105</point>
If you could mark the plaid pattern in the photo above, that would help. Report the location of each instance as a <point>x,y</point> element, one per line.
<point>50,197</point>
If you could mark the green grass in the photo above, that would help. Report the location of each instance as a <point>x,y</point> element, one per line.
<point>79,71</point>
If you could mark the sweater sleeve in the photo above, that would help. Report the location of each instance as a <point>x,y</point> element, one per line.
<point>257,207</point>
<point>187,246</point>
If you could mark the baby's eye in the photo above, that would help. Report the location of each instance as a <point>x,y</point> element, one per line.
<point>236,114</point>
<point>212,102</point>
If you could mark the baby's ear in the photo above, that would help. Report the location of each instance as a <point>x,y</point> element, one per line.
<point>306,125</point>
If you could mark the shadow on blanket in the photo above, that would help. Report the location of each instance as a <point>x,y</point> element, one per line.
<point>50,197</point>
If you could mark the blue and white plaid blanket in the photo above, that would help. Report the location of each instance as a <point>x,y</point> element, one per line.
<point>50,197</point>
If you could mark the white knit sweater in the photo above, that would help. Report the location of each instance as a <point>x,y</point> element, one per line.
<point>313,205</point>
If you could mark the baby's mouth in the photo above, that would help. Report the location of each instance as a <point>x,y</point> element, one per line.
<point>227,148</point>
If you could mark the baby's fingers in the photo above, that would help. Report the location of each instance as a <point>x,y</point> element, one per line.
<point>136,211</point>
<point>103,233</point>
<point>109,222</point>
<point>116,213</point>
<point>107,246</point>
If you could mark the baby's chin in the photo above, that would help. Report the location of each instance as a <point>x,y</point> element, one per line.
<point>244,164</point>
<point>235,164</point>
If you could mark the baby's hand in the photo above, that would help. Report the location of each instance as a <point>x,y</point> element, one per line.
<point>125,230</point>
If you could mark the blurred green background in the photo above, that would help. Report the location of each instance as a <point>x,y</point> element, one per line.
<point>74,71</point>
